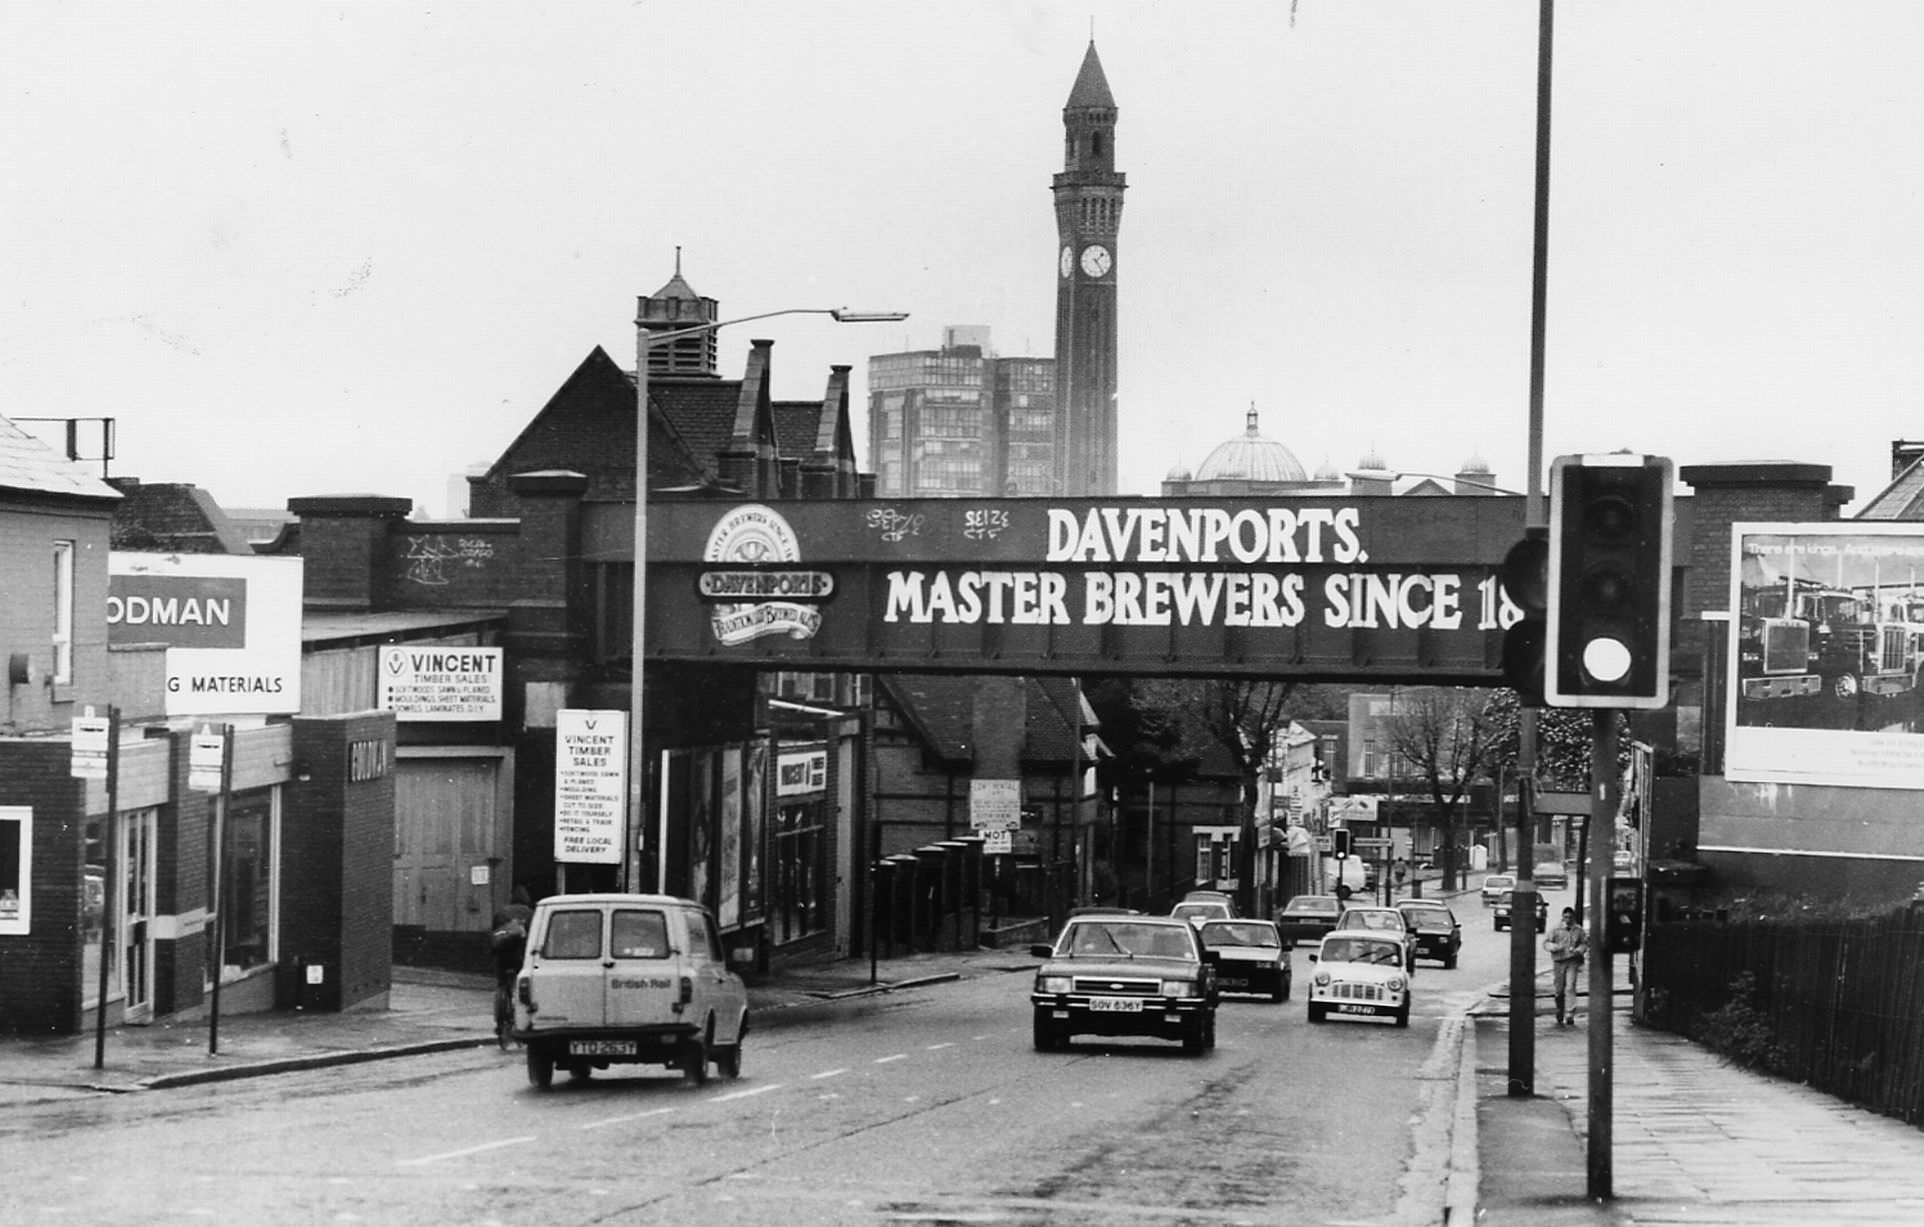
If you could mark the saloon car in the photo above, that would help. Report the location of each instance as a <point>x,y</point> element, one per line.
<point>1125,976</point>
<point>1308,917</point>
<point>1251,957</point>
<point>1381,920</point>
<point>1500,914</point>
<point>1438,935</point>
<point>1494,885</point>
<point>1360,972</point>
<point>1198,910</point>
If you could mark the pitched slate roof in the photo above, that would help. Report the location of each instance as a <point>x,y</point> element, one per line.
<point>1092,87</point>
<point>1903,499</point>
<point>30,466</point>
<point>173,517</point>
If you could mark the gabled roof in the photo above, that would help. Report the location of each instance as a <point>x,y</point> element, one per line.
<point>30,466</point>
<point>173,517</point>
<point>1903,499</point>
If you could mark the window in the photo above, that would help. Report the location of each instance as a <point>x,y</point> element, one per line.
<point>639,935</point>
<point>16,863</point>
<point>247,903</point>
<point>573,935</point>
<point>62,612</point>
<point>799,905</point>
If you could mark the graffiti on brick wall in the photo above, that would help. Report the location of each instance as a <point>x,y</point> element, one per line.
<point>429,559</point>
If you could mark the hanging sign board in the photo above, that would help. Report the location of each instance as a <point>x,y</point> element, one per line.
<point>590,785</point>
<point>204,754</point>
<point>90,736</point>
<point>995,805</point>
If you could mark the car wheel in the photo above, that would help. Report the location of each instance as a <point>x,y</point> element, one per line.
<point>540,1067</point>
<point>1193,1039</point>
<point>1317,1012</point>
<point>694,1058</point>
<point>1287,985</point>
<point>1449,963</point>
<point>1403,1015</point>
<point>728,1059</point>
<point>1046,1038</point>
<point>1498,925</point>
<point>1209,1030</point>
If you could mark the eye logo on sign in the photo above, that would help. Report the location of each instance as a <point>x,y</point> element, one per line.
<point>757,537</point>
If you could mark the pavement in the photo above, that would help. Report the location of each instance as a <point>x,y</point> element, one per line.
<point>1694,1140</point>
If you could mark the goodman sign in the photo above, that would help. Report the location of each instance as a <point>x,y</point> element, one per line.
<point>1369,588</point>
<point>230,626</point>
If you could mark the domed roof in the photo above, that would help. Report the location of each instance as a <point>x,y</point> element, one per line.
<point>1371,462</point>
<point>1251,457</point>
<point>1178,473</point>
<point>1475,464</point>
<point>1327,471</point>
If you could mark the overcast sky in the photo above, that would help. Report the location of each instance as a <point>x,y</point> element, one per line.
<point>321,248</point>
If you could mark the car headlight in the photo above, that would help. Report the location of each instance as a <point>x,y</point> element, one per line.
<point>1394,984</point>
<point>1322,978</point>
<point>1179,988</point>
<point>1052,984</point>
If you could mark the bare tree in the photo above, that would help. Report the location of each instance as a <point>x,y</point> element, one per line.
<point>1445,737</point>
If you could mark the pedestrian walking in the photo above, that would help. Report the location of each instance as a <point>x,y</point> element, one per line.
<point>1567,944</point>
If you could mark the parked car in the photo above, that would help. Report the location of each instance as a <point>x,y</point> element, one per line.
<point>1251,956</point>
<point>1438,935</point>
<point>621,979</point>
<point>1308,917</point>
<point>1494,885</point>
<point>1360,972</point>
<point>1196,911</point>
<point>1125,975</point>
<point>1500,914</point>
<point>1550,875</point>
<point>1381,920</point>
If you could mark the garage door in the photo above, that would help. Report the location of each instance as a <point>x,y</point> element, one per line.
<point>444,825</point>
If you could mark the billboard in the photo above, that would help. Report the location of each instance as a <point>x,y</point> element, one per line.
<point>1351,589</point>
<point>1826,654</point>
<point>230,623</point>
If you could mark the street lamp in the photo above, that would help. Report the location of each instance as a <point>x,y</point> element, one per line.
<point>1391,475</point>
<point>644,341</point>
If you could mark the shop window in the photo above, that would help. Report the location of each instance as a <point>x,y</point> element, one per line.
<point>93,916</point>
<point>248,904</point>
<point>16,864</point>
<point>800,903</point>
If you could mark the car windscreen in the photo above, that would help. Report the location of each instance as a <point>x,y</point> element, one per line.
<point>1362,950</point>
<point>1428,916</point>
<point>1331,906</point>
<point>1239,933</point>
<point>1103,939</point>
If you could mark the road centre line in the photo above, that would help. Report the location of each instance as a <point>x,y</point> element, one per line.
<point>753,1090</point>
<point>937,1047</point>
<point>829,1073</point>
<point>900,1056</point>
<point>456,1154</point>
<point>622,1120</point>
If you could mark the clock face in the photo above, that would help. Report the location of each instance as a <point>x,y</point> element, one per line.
<point>1095,260</point>
<point>1068,261</point>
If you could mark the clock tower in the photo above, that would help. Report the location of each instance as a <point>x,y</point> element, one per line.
<point>1088,197</point>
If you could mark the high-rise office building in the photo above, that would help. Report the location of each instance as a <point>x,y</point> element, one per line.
<point>960,421</point>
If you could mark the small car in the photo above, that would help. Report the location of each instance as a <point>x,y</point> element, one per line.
<point>1308,917</point>
<point>1438,935</point>
<point>1251,957</point>
<point>1500,914</point>
<point>1125,975</point>
<point>1494,885</point>
<point>625,979</point>
<point>1360,972</point>
<point>1196,911</point>
<point>1381,920</point>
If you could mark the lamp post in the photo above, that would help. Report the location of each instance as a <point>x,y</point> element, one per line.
<point>645,340</point>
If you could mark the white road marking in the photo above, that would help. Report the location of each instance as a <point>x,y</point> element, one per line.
<point>753,1090</point>
<point>937,1047</point>
<point>830,1073</point>
<point>472,1150</point>
<point>900,1056</point>
<point>622,1120</point>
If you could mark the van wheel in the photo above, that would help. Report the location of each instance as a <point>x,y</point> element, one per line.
<point>694,1057</point>
<point>540,1067</point>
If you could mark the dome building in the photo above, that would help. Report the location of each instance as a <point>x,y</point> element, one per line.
<point>1248,464</point>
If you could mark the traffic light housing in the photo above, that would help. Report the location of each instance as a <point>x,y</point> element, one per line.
<point>1608,625</point>
<point>1525,577</point>
<point>1339,842</point>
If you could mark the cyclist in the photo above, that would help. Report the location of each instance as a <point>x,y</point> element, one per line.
<point>509,942</point>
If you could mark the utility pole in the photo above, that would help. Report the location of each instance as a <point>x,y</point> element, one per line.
<point>1604,787</point>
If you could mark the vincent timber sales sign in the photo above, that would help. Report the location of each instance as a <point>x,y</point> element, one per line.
<point>231,626</point>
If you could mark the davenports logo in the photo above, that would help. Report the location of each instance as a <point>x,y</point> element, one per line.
<point>758,536</point>
<point>180,611</point>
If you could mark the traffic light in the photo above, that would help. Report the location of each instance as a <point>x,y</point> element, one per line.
<point>1608,629</point>
<point>1525,577</point>
<point>1339,842</point>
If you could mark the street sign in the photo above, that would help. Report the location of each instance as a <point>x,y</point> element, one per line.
<point>90,735</point>
<point>1374,841</point>
<point>205,752</point>
<point>995,805</point>
<point>999,843</point>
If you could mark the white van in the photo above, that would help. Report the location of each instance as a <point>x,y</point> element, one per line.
<point>619,979</point>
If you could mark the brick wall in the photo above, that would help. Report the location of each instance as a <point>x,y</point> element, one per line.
<point>344,549</point>
<point>337,900</point>
<point>1725,494</point>
<point>40,989</point>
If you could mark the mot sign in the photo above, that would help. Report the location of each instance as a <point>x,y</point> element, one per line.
<point>1357,589</point>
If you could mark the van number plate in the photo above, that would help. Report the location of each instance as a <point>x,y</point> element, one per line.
<point>601,1048</point>
<point>1115,1005</point>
